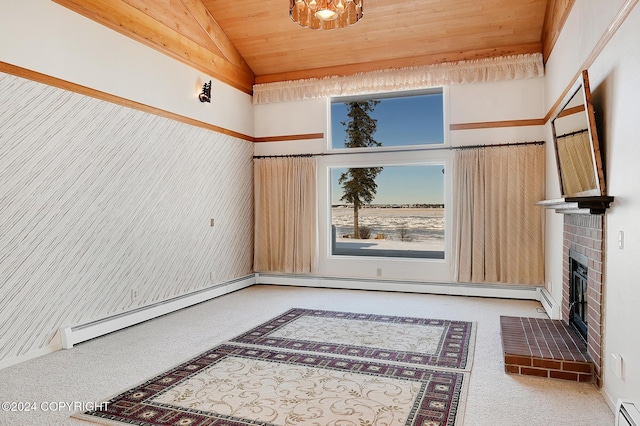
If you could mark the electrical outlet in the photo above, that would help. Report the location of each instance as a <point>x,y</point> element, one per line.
<point>212,276</point>
<point>379,272</point>
<point>211,222</point>
<point>134,295</point>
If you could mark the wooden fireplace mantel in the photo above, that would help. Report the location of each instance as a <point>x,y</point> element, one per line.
<point>578,205</point>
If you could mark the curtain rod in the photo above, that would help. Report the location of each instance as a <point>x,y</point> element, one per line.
<point>285,156</point>
<point>447,148</point>
<point>577,132</point>
<point>498,145</point>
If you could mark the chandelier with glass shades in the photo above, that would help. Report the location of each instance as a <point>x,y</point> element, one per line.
<point>325,14</point>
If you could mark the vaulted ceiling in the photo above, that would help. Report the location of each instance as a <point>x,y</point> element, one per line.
<point>243,42</point>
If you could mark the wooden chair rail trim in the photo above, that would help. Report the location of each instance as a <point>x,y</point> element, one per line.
<point>497,124</point>
<point>285,138</point>
<point>87,91</point>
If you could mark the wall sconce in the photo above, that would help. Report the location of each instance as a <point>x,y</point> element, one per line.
<point>205,96</point>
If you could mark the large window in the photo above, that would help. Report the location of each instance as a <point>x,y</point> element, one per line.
<point>406,218</point>
<point>380,208</point>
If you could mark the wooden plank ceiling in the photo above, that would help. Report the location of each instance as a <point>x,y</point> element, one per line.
<point>243,42</point>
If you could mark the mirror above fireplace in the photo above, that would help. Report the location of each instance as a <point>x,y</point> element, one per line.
<point>578,155</point>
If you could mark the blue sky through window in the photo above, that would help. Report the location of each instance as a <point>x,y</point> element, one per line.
<point>401,185</point>
<point>409,120</point>
<point>402,121</point>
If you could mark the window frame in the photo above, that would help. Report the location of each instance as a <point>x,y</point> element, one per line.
<point>388,95</point>
<point>427,254</point>
<point>406,155</point>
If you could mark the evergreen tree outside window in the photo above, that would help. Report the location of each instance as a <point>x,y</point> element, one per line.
<point>396,210</point>
<point>359,184</point>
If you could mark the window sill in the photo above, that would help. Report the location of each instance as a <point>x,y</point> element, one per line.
<point>411,254</point>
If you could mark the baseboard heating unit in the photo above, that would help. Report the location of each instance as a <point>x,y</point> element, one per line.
<point>71,335</point>
<point>627,414</point>
<point>507,291</point>
<point>549,304</point>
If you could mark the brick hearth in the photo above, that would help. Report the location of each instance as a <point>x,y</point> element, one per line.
<point>544,348</point>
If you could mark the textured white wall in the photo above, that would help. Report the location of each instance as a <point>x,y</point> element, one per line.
<point>98,200</point>
<point>616,88</point>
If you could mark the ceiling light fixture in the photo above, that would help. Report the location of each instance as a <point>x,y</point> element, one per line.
<point>325,14</point>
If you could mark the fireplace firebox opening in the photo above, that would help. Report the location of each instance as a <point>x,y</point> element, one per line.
<point>578,293</point>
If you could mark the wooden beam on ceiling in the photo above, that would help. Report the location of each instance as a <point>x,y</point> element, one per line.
<point>134,22</point>
<point>215,33</point>
<point>555,16</point>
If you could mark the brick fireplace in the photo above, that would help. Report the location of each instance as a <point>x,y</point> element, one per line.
<point>584,234</point>
<point>556,348</point>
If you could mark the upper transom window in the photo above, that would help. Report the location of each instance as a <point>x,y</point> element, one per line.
<point>400,121</point>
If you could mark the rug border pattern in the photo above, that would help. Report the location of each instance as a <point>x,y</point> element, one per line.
<point>456,332</point>
<point>122,408</point>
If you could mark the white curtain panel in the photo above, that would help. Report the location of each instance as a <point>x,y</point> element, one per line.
<point>498,229</point>
<point>285,215</point>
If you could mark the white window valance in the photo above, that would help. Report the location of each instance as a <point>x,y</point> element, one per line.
<point>475,71</point>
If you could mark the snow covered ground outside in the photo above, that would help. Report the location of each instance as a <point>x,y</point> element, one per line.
<point>421,228</point>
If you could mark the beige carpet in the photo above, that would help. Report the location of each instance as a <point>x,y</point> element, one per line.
<point>95,370</point>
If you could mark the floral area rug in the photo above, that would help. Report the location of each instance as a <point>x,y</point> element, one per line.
<point>421,341</point>
<point>264,378</point>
